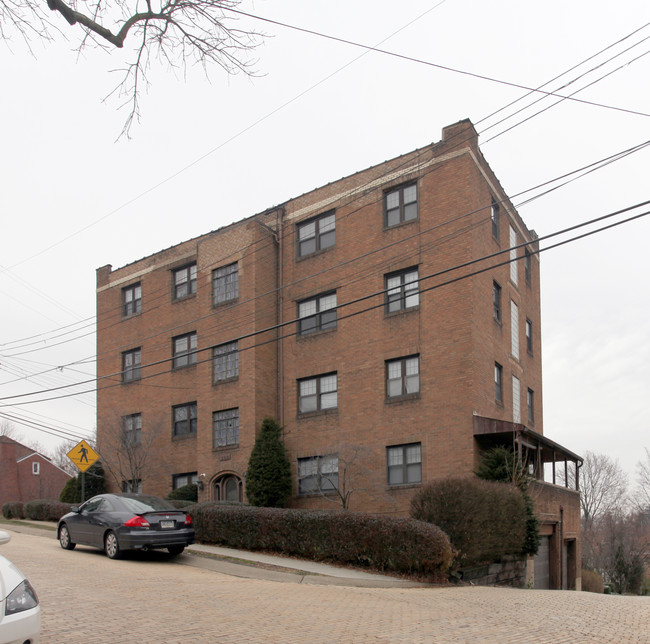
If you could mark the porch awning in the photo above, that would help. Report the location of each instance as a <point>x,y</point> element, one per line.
<point>533,448</point>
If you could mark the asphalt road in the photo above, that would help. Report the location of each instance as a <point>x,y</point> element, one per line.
<point>87,598</point>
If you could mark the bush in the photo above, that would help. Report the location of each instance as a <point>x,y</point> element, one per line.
<point>181,504</point>
<point>45,510</point>
<point>94,483</point>
<point>392,544</point>
<point>15,510</point>
<point>268,479</point>
<point>485,520</point>
<point>592,582</point>
<point>185,493</point>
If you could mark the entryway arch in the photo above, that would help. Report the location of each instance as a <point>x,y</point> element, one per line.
<point>227,487</point>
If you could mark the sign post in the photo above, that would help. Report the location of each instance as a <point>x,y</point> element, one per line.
<point>83,456</point>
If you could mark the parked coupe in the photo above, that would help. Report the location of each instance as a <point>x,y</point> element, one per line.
<point>119,522</point>
<point>20,613</point>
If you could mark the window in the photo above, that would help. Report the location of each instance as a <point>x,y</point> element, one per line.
<point>317,314</point>
<point>404,464</point>
<point>184,350</point>
<point>181,480</point>
<point>318,394</point>
<point>514,329</point>
<point>132,430</point>
<point>184,419</point>
<point>530,399</point>
<point>513,256</point>
<point>402,290</point>
<point>184,281</point>
<point>529,336</point>
<point>131,300</point>
<point>316,234</point>
<point>401,205</point>
<point>133,486</point>
<point>494,217</point>
<point>225,360</point>
<point>496,299</point>
<point>131,364</point>
<point>527,265</point>
<point>228,488</point>
<point>226,427</point>
<point>225,284</point>
<point>36,468</point>
<point>403,377</point>
<point>516,401</point>
<point>498,382</point>
<point>318,474</point>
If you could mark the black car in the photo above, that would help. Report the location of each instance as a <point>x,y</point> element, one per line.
<point>119,522</point>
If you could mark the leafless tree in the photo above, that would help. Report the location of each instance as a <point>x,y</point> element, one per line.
<point>347,479</point>
<point>8,429</point>
<point>603,487</point>
<point>125,452</point>
<point>177,33</point>
<point>642,492</point>
<point>59,456</point>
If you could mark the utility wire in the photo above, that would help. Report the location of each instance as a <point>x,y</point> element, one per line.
<point>371,295</point>
<point>430,64</point>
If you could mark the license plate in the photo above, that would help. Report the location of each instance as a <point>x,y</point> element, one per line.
<point>166,525</point>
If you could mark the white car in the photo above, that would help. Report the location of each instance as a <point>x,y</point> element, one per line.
<point>20,613</point>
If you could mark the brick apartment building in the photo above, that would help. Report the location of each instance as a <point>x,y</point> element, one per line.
<point>26,475</point>
<point>364,318</point>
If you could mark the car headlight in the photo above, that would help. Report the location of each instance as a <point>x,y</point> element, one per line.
<point>22,597</point>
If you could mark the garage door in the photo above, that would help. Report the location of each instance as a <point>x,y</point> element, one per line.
<point>542,564</point>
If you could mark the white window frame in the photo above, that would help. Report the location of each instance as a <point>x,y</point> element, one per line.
<point>225,362</point>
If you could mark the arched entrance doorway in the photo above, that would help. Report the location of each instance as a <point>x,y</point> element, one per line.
<point>227,487</point>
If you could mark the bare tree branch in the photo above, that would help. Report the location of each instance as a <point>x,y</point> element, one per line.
<point>178,32</point>
<point>603,487</point>
<point>642,496</point>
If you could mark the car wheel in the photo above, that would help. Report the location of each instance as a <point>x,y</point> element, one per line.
<point>111,546</point>
<point>64,538</point>
<point>175,550</point>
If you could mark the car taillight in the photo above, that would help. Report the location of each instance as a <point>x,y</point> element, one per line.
<point>188,519</point>
<point>137,522</point>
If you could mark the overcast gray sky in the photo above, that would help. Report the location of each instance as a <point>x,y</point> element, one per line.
<point>207,153</point>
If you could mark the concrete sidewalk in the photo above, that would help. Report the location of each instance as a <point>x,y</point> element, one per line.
<point>254,565</point>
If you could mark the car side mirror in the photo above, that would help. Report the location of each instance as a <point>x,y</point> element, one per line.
<point>74,508</point>
<point>5,537</point>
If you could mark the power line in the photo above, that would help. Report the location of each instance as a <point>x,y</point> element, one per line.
<point>430,64</point>
<point>369,296</point>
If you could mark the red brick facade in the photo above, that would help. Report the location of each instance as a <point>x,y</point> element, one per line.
<point>388,384</point>
<point>26,475</point>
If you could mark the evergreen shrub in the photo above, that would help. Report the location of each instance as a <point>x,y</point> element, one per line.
<point>391,544</point>
<point>268,478</point>
<point>188,492</point>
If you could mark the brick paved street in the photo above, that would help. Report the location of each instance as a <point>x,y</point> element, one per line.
<point>88,598</point>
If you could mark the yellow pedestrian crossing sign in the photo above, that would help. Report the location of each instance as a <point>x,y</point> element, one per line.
<point>83,455</point>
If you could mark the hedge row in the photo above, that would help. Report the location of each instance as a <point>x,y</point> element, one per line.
<point>390,544</point>
<point>484,520</point>
<point>39,510</point>
<point>14,510</point>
